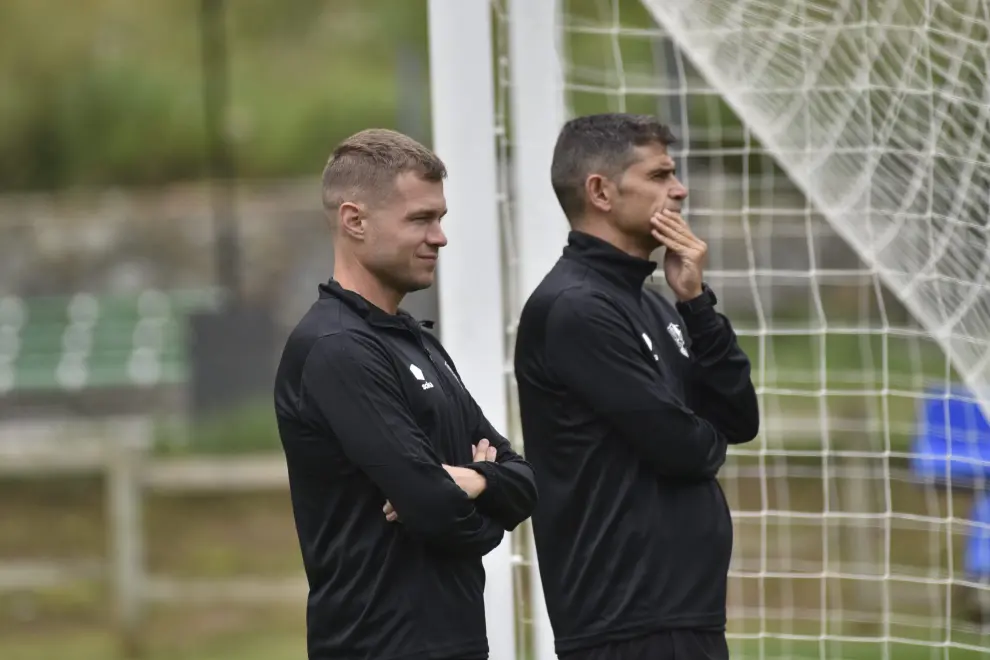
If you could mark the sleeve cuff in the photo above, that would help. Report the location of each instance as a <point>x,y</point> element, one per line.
<point>487,469</point>
<point>699,313</point>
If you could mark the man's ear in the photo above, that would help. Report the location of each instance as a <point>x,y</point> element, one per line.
<point>600,192</point>
<point>350,220</point>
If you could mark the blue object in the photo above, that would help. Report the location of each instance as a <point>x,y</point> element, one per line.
<point>953,441</point>
<point>978,545</point>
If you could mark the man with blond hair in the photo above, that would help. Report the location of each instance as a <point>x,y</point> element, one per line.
<point>399,484</point>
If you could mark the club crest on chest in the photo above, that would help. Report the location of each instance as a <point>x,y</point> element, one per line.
<point>678,337</point>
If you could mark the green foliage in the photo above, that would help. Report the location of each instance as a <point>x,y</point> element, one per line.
<point>248,428</point>
<point>105,93</point>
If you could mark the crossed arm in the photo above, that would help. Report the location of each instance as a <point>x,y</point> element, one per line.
<point>721,388</point>
<point>349,379</point>
<point>591,350</point>
<point>510,494</point>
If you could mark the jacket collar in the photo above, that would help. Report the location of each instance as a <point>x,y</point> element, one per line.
<point>627,271</point>
<point>373,314</point>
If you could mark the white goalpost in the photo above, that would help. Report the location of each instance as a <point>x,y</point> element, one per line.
<point>836,152</point>
<point>470,287</point>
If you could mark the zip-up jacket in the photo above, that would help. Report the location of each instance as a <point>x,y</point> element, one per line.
<point>628,403</point>
<point>369,407</point>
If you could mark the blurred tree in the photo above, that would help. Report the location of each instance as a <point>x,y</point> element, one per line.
<point>105,92</point>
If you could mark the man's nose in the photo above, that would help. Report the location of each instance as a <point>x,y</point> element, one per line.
<point>678,191</point>
<point>436,236</point>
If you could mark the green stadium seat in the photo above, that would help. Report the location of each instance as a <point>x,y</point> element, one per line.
<point>96,341</point>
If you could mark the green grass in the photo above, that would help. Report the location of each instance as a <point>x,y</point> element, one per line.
<point>100,645</point>
<point>82,645</point>
<point>218,537</point>
<point>872,384</point>
<point>190,537</point>
<point>832,650</point>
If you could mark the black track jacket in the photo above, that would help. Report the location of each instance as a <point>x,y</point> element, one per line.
<point>627,405</point>
<point>369,406</point>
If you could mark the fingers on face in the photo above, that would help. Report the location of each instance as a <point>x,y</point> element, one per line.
<point>663,239</point>
<point>670,229</point>
<point>666,231</point>
<point>671,220</point>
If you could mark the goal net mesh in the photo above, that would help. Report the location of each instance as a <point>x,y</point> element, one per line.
<point>836,157</point>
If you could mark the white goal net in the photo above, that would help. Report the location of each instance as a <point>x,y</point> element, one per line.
<point>836,152</point>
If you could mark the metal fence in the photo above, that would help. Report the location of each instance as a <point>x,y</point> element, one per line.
<point>118,451</point>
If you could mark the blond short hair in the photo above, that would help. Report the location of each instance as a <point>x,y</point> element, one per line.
<point>365,165</point>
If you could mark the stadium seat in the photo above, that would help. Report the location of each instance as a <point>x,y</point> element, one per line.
<point>952,446</point>
<point>978,546</point>
<point>59,343</point>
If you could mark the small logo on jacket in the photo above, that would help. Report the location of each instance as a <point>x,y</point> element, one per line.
<point>649,345</point>
<point>420,376</point>
<point>678,337</point>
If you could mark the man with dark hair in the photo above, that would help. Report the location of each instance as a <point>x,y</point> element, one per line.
<point>399,484</point>
<point>628,403</point>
